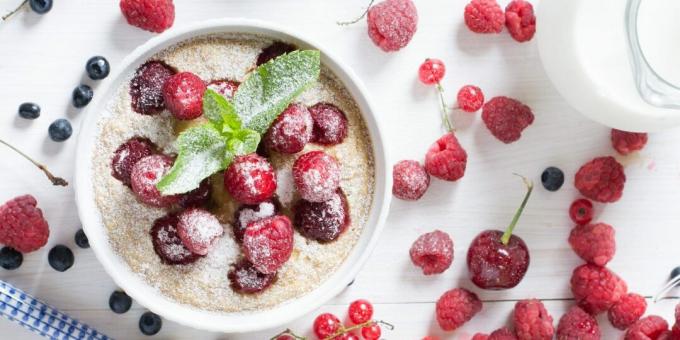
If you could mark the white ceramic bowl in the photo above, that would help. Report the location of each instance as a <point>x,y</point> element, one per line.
<point>149,297</point>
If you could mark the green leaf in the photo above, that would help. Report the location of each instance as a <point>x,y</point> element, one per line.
<point>268,90</point>
<point>220,111</point>
<point>244,142</point>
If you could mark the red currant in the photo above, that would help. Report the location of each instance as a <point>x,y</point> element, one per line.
<point>431,71</point>
<point>371,332</point>
<point>325,325</point>
<point>581,211</point>
<point>285,337</point>
<point>347,336</point>
<point>360,311</point>
<point>470,98</point>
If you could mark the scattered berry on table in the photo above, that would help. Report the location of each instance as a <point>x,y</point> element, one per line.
<point>596,288</point>
<point>446,159</point>
<point>82,95</point>
<point>431,71</point>
<point>225,87</point>
<point>40,6</point>
<point>146,173</point>
<point>167,244</point>
<point>183,95</point>
<point>323,221</point>
<point>502,334</point>
<point>627,311</point>
<point>250,179</point>
<point>650,327</point>
<point>581,211</point>
<point>146,87</point>
<point>456,307</point>
<point>127,155</point>
<point>60,130</point>
<point>520,20</point>
<point>10,259</point>
<point>97,68</point>
<point>274,50</point>
<point>484,16</point>
<point>81,239</point>
<point>601,179</point>
<point>532,321</point>
<point>268,243</point>
<point>60,258</point>
<point>246,279</point>
<point>410,180</point>
<point>470,98</point>
<point>29,111</point>
<point>577,324</point>
<point>251,213</point>
<point>291,130</point>
<point>477,336</point>
<point>199,230</point>
<point>552,178</point>
<point>316,175</point>
<point>392,24</point>
<point>198,197</point>
<point>149,15</point>
<point>22,225</point>
<point>330,124</point>
<point>627,142</point>
<point>594,243</point>
<point>119,302</point>
<point>433,252</point>
<point>360,311</point>
<point>150,323</point>
<point>506,118</point>
<point>325,325</point>
<point>371,332</point>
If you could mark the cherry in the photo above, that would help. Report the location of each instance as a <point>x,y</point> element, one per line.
<point>498,260</point>
<point>581,211</point>
<point>360,311</point>
<point>431,71</point>
<point>371,332</point>
<point>325,325</point>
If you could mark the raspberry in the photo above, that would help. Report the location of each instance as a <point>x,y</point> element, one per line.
<point>274,50</point>
<point>596,288</point>
<point>433,252</point>
<point>602,180</point>
<point>392,24</point>
<point>250,179</point>
<point>594,243</point>
<point>484,16</point>
<point>446,159</point>
<point>520,20</point>
<point>127,155</point>
<point>502,334</point>
<point>330,124</point>
<point>506,118</point>
<point>167,245</point>
<point>268,243</point>
<point>250,213</point>
<point>627,311</point>
<point>227,88</point>
<point>146,173</point>
<point>577,324</point>
<point>470,98</point>
<point>149,15</point>
<point>628,142</point>
<point>198,197</point>
<point>199,230</point>
<point>409,180</point>
<point>22,225</point>
<point>581,211</point>
<point>316,175</point>
<point>479,336</point>
<point>431,71</point>
<point>323,221</point>
<point>291,131</point>
<point>246,279</point>
<point>648,328</point>
<point>532,321</point>
<point>146,87</point>
<point>183,95</point>
<point>456,307</point>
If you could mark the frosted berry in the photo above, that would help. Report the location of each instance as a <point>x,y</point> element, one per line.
<point>456,307</point>
<point>601,179</point>
<point>371,332</point>
<point>250,179</point>
<point>494,265</point>
<point>506,118</point>
<point>146,173</point>
<point>392,24</point>
<point>650,327</point>
<point>199,230</point>
<point>149,15</point>
<point>316,175</point>
<point>360,311</point>
<point>433,252</point>
<point>291,131</point>
<point>410,180</point>
<point>227,88</point>
<point>577,324</point>
<point>198,197</point>
<point>520,20</point>
<point>183,95</point>
<point>628,142</point>
<point>325,325</point>
<point>484,16</point>
<point>431,71</point>
<point>581,211</point>
<point>323,221</point>
<point>274,50</point>
<point>146,87</point>
<point>22,225</point>
<point>127,155</point>
<point>268,243</point>
<point>532,321</point>
<point>167,244</point>
<point>250,213</point>
<point>596,288</point>
<point>502,334</point>
<point>470,98</point>
<point>246,279</point>
<point>594,243</point>
<point>627,311</point>
<point>446,159</point>
<point>330,124</point>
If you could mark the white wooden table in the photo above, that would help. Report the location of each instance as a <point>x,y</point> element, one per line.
<point>42,59</point>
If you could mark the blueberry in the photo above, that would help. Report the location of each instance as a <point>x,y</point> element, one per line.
<point>150,323</point>
<point>675,272</point>
<point>60,258</point>
<point>60,130</point>
<point>41,6</point>
<point>119,302</point>
<point>97,68</point>
<point>552,178</point>
<point>81,239</point>
<point>29,111</point>
<point>10,258</point>
<point>82,95</point>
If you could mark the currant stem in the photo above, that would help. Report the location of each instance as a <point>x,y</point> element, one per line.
<point>444,108</point>
<point>508,231</point>
<point>6,16</point>
<point>347,23</point>
<point>54,179</point>
<point>344,330</point>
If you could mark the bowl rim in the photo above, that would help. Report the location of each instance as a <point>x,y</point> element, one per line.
<point>238,322</point>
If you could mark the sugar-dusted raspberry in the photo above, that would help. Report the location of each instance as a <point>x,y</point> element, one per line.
<point>268,243</point>
<point>167,244</point>
<point>322,221</point>
<point>198,197</point>
<point>250,179</point>
<point>227,88</point>
<point>330,124</point>
<point>470,98</point>
<point>291,131</point>
<point>274,50</point>
<point>581,211</point>
<point>409,180</point>
<point>127,155</point>
<point>316,175</point>
<point>183,95</point>
<point>506,118</point>
<point>602,180</point>
<point>520,20</point>
<point>577,324</point>
<point>446,159</point>
<point>246,279</point>
<point>250,213</point>
<point>627,311</point>
<point>433,252</point>
<point>502,334</point>
<point>596,288</point>
<point>199,230</point>
<point>484,16</point>
<point>392,24</point>
<point>22,225</point>
<point>146,87</point>
<point>431,71</point>
<point>480,336</point>
<point>628,142</point>
<point>650,327</point>
<point>532,321</point>
<point>149,15</point>
<point>456,307</point>
<point>594,243</point>
<point>146,173</point>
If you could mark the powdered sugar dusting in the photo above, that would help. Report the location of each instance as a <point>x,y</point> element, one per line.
<point>198,229</point>
<point>247,215</point>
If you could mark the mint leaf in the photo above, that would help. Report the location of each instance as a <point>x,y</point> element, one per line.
<point>244,142</point>
<point>268,90</point>
<point>220,111</point>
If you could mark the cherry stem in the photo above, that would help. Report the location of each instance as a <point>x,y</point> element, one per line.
<point>344,330</point>
<point>347,23</point>
<point>508,231</point>
<point>6,16</point>
<point>54,179</point>
<point>444,108</point>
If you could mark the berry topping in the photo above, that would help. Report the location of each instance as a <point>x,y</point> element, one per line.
<point>433,252</point>
<point>506,118</point>
<point>291,131</point>
<point>97,68</point>
<point>325,325</point>
<point>520,20</point>
<point>268,243</point>
<point>41,6</point>
<point>502,334</point>
<point>119,302</point>
<point>274,50</point>
<point>409,180</point>
<point>226,88</point>
<point>360,311</point>
<point>323,221</point>
<point>60,130</point>
<point>82,95</point>
<point>330,124</point>
<point>199,230</point>
<point>81,239</point>
<point>431,71</point>
<point>183,95</point>
<point>470,98</point>
<point>650,327</point>
<point>594,243</point>
<point>484,16</point>
<point>627,311</point>
<point>146,173</point>
<point>477,336</point>
<point>602,180</point>
<point>577,324</point>
<point>581,211</point>
<point>371,332</point>
<point>552,178</point>
<point>198,197</point>
<point>532,321</point>
<point>60,258</point>
<point>149,15</point>
<point>127,155</point>
<point>146,87</point>
<point>29,111</point>
<point>316,175</point>
<point>10,259</point>
<point>22,225</point>
<point>596,288</point>
<point>250,179</point>
<point>150,323</point>
<point>251,213</point>
<point>456,307</point>
<point>392,24</point>
<point>167,243</point>
<point>446,159</point>
<point>246,279</point>
<point>628,142</point>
